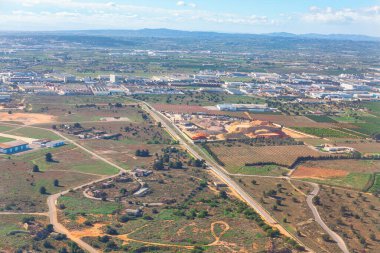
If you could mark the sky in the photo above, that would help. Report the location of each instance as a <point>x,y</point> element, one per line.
<point>232,16</point>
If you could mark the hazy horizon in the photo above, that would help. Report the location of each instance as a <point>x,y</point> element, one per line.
<point>249,17</point>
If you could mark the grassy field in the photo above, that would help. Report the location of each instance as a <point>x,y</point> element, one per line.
<point>4,128</point>
<point>323,132</point>
<point>5,139</point>
<point>376,184</point>
<point>354,174</point>
<point>321,118</point>
<point>356,181</point>
<point>267,170</point>
<point>72,159</point>
<point>79,204</point>
<point>34,133</point>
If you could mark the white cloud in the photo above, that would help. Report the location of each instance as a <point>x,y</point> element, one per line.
<point>342,16</point>
<point>184,4</point>
<point>181,3</point>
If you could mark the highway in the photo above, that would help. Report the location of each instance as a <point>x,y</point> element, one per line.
<point>218,170</point>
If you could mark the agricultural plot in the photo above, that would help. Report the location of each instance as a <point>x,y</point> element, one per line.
<point>265,170</point>
<point>355,174</point>
<point>321,118</point>
<point>354,216</point>
<point>200,99</point>
<point>5,128</point>
<point>292,121</point>
<point>236,156</point>
<point>324,132</point>
<point>289,207</point>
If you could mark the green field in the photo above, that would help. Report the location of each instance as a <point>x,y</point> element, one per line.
<point>75,205</point>
<point>35,133</point>
<point>203,99</point>
<point>5,128</point>
<point>266,170</point>
<point>5,139</point>
<point>371,125</point>
<point>357,181</point>
<point>324,132</point>
<point>321,118</point>
<point>376,184</point>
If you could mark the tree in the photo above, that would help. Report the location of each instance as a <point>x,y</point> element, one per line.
<point>63,250</point>
<point>254,182</point>
<point>49,157</point>
<point>223,195</point>
<point>159,165</point>
<point>36,168</point>
<point>56,182</point>
<point>43,190</point>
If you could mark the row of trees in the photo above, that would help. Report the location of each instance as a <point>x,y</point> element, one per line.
<point>142,153</point>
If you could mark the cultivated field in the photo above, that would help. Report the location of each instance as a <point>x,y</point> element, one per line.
<point>355,174</point>
<point>236,156</point>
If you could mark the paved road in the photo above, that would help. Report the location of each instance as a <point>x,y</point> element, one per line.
<point>52,199</point>
<point>309,199</point>
<point>217,169</point>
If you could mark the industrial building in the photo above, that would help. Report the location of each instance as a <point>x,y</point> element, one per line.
<point>244,107</point>
<point>13,147</point>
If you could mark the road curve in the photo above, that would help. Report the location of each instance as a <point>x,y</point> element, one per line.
<point>218,171</point>
<point>309,199</point>
<point>52,199</point>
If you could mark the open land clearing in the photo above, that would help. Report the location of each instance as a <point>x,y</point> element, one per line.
<point>289,207</point>
<point>237,156</point>
<point>84,112</point>
<point>354,216</point>
<point>355,174</point>
<point>197,217</point>
<point>71,167</point>
<point>27,118</point>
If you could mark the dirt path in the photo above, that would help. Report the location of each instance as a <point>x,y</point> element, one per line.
<point>16,137</point>
<point>127,239</point>
<point>13,213</point>
<point>217,237</point>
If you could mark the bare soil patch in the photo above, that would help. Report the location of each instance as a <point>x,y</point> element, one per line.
<point>319,173</point>
<point>27,118</point>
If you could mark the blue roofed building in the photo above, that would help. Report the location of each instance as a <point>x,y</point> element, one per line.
<point>13,147</point>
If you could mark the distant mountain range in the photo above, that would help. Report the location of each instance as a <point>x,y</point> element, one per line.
<point>168,33</point>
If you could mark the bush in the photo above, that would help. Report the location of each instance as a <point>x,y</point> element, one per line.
<point>111,231</point>
<point>104,239</point>
<point>124,218</point>
<point>43,190</point>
